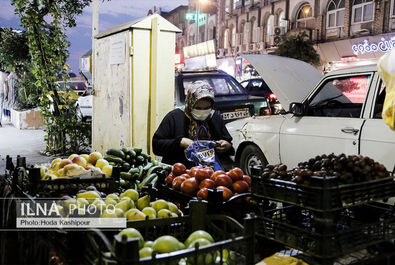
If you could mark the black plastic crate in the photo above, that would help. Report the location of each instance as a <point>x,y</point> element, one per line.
<point>324,194</point>
<point>28,181</point>
<point>328,236</point>
<point>229,236</point>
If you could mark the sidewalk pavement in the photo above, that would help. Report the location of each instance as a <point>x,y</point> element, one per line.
<point>27,143</point>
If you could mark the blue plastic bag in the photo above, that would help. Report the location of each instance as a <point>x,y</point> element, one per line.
<point>202,152</point>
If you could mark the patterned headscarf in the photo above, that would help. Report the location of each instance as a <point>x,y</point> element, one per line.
<point>198,90</point>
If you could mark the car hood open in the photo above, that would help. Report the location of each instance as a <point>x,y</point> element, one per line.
<point>289,79</point>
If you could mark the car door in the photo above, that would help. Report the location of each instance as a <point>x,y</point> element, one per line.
<point>332,120</point>
<point>377,139</point>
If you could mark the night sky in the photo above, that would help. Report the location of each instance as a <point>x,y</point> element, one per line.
<point>112,13</point>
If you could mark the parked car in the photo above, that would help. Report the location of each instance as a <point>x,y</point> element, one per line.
<point>84,108</point>
<point>337,113</point>
<point>79,88</point>
<point>231,99</point>
<point>258,87</point>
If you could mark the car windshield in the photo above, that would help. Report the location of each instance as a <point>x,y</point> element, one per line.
<point>222,86</point>
<point>257,87</point>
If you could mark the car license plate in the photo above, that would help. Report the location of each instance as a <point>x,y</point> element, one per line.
<point>236,114</point>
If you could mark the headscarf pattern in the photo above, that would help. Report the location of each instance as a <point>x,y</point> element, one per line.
<point>196,91</point>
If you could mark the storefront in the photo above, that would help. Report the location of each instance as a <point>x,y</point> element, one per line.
<point>354,52</point>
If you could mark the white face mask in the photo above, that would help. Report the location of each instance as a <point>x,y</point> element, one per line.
<point>200,114</point>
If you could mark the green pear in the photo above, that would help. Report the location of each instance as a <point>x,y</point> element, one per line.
<point>70,204</point>
<point>159,205</point>
<point>123,205</point>
<point>148,244</point>
<point>113,196</point>
<point>150,212</point>
<point>143,202</point>
<point>132,233</point>
<point>174,215</point>
<point>109,213</point>
<point>89,195</point>
<point>131,193</point>
<point>145,252</point>
<point>131,202</point>
<point>172,207</point>
<point>135,214</point>
<point>82,202</point>
<point>164,213</point>
<point>110,201</point>
<point>119,212</point>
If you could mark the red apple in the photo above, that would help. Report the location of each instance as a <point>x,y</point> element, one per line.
<point>247,179</point>
<point>188,171</point>
<point>201,174</point>
<point>89,167</point>
<point>207,183</point>
<point>235,174</point>
<point>169,179</point>
<point>240,186</point>
<point>64,162</point>
<point>223,180</point>
<point>226,193</point>
<point>189,186</point>
<point>203,193</point>
<point>216,174</point>
<point>185,175</point>
<point>178,169</point>
<point>177,181</point>
<point>210,171</point>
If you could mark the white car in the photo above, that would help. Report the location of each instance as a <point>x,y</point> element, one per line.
<point>336,113</point>
<point>84,108</point>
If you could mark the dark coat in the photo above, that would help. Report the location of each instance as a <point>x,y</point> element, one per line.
<point>174,127</point>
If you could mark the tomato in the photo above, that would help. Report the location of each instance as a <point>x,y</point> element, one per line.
<point>235,174</point>
<point>216,173</point>
<point>178,169</point>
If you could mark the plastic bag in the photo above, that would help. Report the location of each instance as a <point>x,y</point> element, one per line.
<point>386,69</point>
<point>202,152</point>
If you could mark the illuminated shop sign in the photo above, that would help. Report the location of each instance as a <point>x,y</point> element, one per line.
<point>383,46</point>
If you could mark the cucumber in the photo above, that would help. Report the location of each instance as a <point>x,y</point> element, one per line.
<point>132,153</point>
<point>154,169</point>
<point>116,152</point>
<point>134,170</point>
<point>126,166</point>
<point>140,159</point>
<point>115,159</point>
<point>155,162</point>
<point>135,176</point>
<point>138,150</point>
<point>125,150</point>
<point>146,156</point>
<point>147,167</point>
<point>140,172</point>
<point>126,175</point>
<point>147,180</point>
<point>112,163</point>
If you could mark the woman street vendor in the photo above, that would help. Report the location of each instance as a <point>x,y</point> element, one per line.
<point>179,127</point>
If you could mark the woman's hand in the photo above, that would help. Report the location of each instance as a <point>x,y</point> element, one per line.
<point>223,146</point>
<point>185,143</point>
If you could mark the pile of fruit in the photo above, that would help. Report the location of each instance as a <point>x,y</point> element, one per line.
<point>348,169</point>
<point>138,168</point>
<point>128,204</point>
<point>76,165</point>
<point>198,180</point>
<point>168,244</point>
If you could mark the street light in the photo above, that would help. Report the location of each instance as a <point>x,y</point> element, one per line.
<point>197,18</point>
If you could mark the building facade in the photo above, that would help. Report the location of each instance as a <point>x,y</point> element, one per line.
<point>343,30</point>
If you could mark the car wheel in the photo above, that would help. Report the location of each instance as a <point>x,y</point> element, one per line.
<point>251,156</point>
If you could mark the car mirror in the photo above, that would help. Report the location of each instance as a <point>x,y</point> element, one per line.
<point>296,109</point>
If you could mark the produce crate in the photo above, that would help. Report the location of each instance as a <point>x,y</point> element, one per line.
<point>235,241</point>
<point>30,182</point>
<point>323,194</point>
<point>328,237</point>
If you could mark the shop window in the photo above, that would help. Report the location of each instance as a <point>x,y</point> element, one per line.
<point>340,97</point>
<point>362,11</point>
<point>255,31</point>
<point>226,39</point>
<point>335,14</point>
<point>234,37</point>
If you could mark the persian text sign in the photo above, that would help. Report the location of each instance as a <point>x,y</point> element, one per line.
<point>383,46</point>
